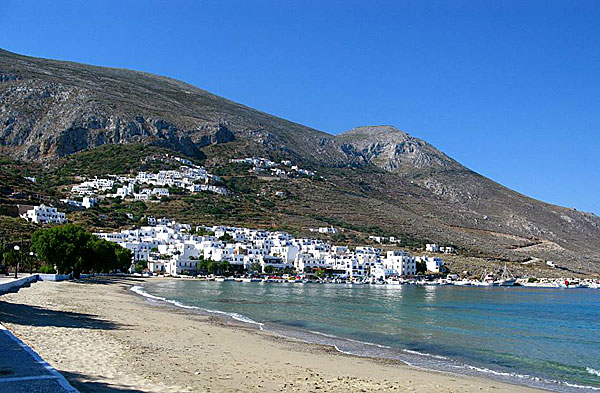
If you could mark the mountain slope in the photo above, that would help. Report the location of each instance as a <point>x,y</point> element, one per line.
<point>376,178</point>
<point>54,108</point>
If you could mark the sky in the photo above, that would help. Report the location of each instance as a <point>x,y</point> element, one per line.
<point>511,89</point>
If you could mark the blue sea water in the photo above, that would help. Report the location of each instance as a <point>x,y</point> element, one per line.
<point>547,338</point>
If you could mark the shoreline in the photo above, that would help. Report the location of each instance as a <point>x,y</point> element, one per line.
<point>411,359</point>
<point>155,346</point>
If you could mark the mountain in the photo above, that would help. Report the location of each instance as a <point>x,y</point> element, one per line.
<point>55,108</point>
<point>377,179</point>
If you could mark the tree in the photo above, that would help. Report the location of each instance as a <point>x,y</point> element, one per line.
<point>225,268</point>
<point>63,246</point>
<point>320,273</point>
<point>71,249</point>
<point>201,231</point>
<point>269,269</point>
<point>289,270</point>
<point>100,256</point>
<point>140,266</point>
<point>256,267</point>
<point>212,267</point>
<point>203,265</point>
<point>421,267</point>
<point>11,257</point>
<point>123,258</point>
<point>226,238</point>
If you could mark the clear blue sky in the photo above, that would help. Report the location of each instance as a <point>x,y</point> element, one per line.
<point>510,89</point>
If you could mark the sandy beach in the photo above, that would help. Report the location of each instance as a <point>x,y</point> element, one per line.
<point>104,338</point>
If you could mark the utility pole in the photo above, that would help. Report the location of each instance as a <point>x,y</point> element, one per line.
<point>16,248</point>
<point>21,256</point>
<point>31,259</point>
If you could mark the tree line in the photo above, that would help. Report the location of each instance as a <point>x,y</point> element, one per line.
<point>70,249</point>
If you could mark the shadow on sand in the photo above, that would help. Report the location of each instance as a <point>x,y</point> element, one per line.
<point>21,314</point>
<point>107,280</point>
<point>86,384</point>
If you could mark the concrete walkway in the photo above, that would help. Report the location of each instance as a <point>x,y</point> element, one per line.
<point>24,371</point>
<point>11,284</point>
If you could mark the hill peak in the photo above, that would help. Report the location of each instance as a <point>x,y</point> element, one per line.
<point>395,150</point>
<point>377,130</point>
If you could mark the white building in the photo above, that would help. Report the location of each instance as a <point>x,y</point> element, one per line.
<point>401,262</point>
<point>327,230</point>
<point>89,202</point>
<point>434,264</point>
<point>43,214</point>
<point>447,250</point>
<point>125,191</point>
<point>432,247</point>
<point>161,192</point>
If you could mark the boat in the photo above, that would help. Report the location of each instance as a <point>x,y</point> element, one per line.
<point>463,283</point>
<point>487,280</point>
<point>507,279</point>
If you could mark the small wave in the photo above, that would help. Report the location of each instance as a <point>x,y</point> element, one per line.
<point>572,385</point>
<point>323,334</point>
<point>140,291</point>
<point>345,352</point>
<point>429,355</point>
<point>178,304</point>
<point>237,317</point>
<point>532,378</point>
<point>499,373</point>
<point>349,339</point>
<point>593,371</point>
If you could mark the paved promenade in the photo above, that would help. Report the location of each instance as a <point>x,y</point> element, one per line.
<point>23,371</point>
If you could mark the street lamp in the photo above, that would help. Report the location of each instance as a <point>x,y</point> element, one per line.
<point>31,254</point>
<point>17,248</point>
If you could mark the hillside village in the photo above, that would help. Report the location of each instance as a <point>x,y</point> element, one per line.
<point>189,177</point>
<point>155,186</point>
<point>282,169</point>
<point>169,247</point>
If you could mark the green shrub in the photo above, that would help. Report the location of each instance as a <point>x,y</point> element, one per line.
<point>47,269</point>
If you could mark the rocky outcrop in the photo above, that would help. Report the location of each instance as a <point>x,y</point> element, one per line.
<point>45,120</point>
<point>392,149</point>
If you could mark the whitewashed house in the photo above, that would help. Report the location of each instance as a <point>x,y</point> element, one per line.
<point>327,230</point>
<point>401,262</point>
<point>447,250</point>
<point>432,247</point>
<point>43,214</point>
<point>434,264</point>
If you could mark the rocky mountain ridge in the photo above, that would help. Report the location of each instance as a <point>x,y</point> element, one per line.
<point>395,150</point>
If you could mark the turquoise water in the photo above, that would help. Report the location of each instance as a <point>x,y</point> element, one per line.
<point>547,338</point>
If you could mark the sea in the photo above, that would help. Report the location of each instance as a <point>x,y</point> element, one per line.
<point>539,337</point>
